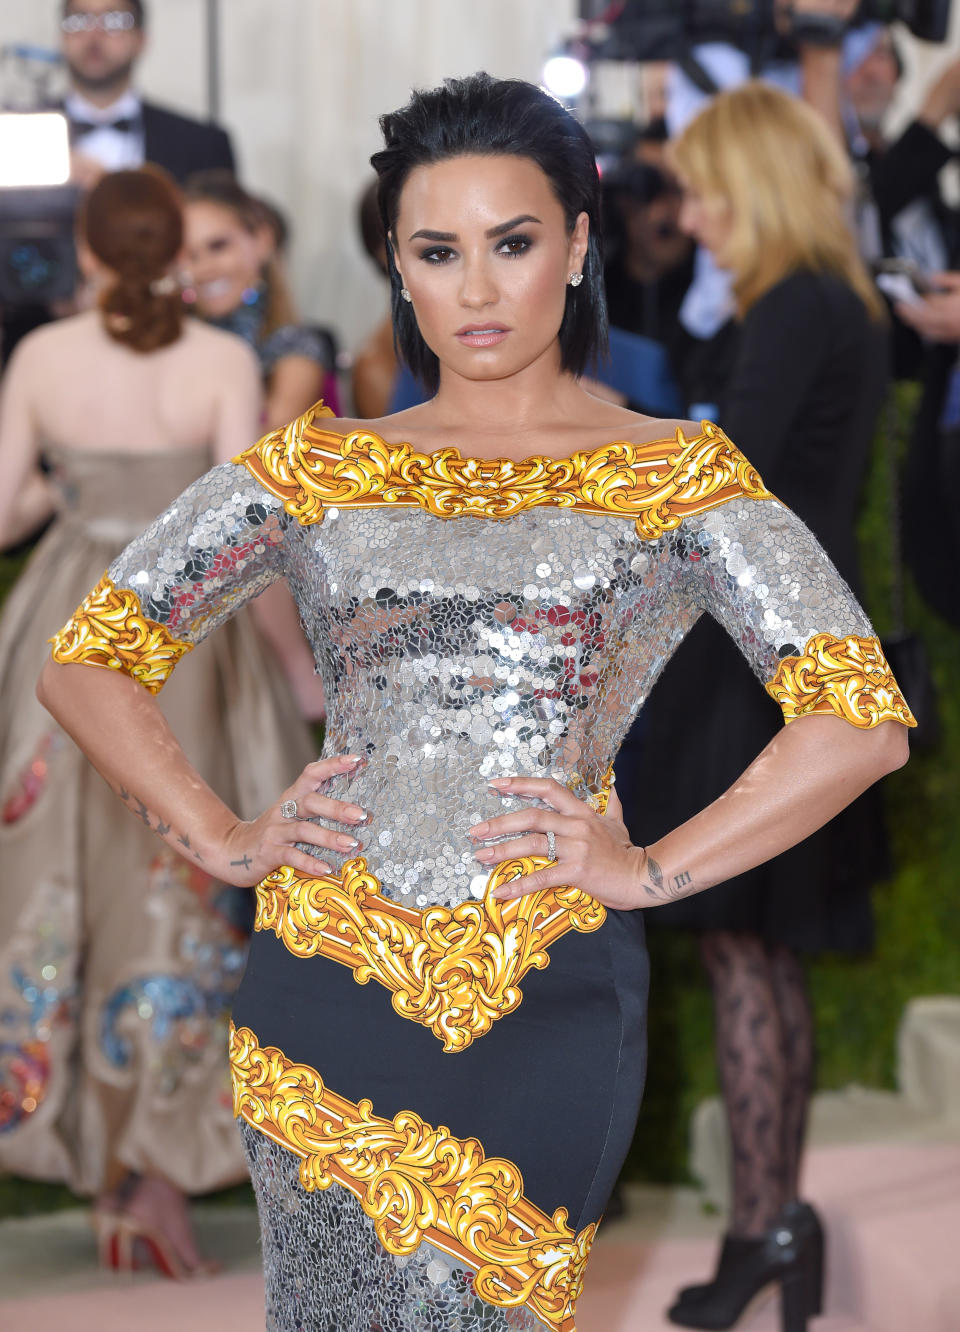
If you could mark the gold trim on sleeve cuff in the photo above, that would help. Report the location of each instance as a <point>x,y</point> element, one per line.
<point>849,677</point>
<point>417,1182</point>
<point>110,629</point>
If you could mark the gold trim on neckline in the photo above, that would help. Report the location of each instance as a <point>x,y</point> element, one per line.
<point>656,484</point>
<point>416,1183</point>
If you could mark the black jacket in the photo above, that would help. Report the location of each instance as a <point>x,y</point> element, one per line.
<point>802,403</point>
<point>181,145</point>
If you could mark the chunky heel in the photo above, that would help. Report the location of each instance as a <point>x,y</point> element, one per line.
<point>790,1255</point>
<point>799,1300</point>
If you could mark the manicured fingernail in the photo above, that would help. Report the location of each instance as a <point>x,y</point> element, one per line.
<point>486,853</point>
<point>479,831</point>
<point>356,813</point>
<point>352,758</point>
<point>500,781</point>
<point>348,843</point>
<point>502,894</point>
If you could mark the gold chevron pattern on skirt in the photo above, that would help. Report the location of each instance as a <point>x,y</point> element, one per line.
<point>455,970</point>
<point>417,1182</point>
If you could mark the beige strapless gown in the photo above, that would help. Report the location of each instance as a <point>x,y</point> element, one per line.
<point>118,961</point>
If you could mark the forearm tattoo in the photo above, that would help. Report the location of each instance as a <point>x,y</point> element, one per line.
<point>661,890</point>
<point>155,823</point>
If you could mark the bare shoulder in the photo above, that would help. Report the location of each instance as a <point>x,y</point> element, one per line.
<point>392,428</point>
<point>635,428</point>
<point>55,338</point>
<point>218,346</point>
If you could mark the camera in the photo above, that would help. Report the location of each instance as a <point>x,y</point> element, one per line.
<point>37,209</point>
<point>667,29</point>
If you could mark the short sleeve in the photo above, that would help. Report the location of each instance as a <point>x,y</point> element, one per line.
<point>215,548</point>
<point>757,569</point>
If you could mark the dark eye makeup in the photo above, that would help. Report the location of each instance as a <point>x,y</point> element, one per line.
<point>510,247</point>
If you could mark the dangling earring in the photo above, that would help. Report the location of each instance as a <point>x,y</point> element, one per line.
<point>575,279</point>
<point>405,294</point>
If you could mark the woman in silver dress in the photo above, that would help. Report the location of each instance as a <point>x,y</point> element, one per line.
<point>438,1043</point>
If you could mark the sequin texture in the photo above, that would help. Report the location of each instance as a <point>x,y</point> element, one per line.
<point>450,655</point>
<point>461,635</point>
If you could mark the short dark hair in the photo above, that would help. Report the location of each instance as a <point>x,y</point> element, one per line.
<point>137,8</point>
<point>484,116</point>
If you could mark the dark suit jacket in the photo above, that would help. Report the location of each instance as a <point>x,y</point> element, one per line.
<point>181,145</point>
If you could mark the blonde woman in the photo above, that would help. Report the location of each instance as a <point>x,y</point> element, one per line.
<point>767,191</point>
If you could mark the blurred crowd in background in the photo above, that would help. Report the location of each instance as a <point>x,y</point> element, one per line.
<point>774,262</point>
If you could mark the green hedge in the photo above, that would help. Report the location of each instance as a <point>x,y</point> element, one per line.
<point>858,1003</point>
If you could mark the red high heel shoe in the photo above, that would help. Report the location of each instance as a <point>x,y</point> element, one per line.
<point>123,1242</point>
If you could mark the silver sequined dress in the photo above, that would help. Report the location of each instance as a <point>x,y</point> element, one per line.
<point>438,1089</point>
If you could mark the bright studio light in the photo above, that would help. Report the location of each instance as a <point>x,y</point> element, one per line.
<point>565,76</point>
<point>34,149</point>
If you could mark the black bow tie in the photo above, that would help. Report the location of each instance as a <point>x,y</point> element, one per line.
<point>79,129</point>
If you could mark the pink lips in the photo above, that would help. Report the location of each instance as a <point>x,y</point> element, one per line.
<point>481,335</point>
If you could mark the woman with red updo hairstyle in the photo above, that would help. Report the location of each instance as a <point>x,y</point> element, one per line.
<point>131,230</point>
<point>117,960</point>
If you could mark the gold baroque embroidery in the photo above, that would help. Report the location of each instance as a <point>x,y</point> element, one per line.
<point>657,484</point>
<point>110,629</point>
<point>417,1182</point>
<point>453,970</point>
<point>849,677</point>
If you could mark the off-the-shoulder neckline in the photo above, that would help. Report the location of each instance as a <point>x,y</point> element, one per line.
<point>579,458</point>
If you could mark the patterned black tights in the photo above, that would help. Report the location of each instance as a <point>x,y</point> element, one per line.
<point>765,1060</point>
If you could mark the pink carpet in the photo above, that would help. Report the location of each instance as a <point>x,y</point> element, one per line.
<point>893,1216</point>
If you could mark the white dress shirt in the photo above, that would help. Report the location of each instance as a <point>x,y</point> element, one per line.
<point>115,150</point>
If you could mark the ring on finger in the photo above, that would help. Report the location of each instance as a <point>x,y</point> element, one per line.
<point>288,810</point>
<point>552,844</point>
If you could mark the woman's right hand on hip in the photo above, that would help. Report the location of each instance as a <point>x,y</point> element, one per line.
<point>251,850</point>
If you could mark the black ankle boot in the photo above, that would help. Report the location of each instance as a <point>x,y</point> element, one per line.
<point>790,1253</point>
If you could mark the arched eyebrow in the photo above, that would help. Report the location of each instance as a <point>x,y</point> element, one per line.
<point>500,229</point>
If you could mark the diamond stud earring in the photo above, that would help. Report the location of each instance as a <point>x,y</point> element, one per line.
<point>575,279</point>
<point>405,294</point>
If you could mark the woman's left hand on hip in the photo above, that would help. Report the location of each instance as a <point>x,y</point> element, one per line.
<point>592,851</point>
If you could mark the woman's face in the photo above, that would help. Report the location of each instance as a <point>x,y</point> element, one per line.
<point>707,219</point>
<point>223,258</point>
<point>482,246</point>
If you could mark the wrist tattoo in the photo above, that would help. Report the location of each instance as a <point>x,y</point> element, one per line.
<point>154,822</point>
<point>661,891</point>
<point>184,841</point>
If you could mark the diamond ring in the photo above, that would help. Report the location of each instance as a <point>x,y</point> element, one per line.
<point>552,845</point>
<point>288,810</point>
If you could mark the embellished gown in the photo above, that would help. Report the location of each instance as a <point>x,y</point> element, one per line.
<point>438,1089</point>
<point>118,960</point>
